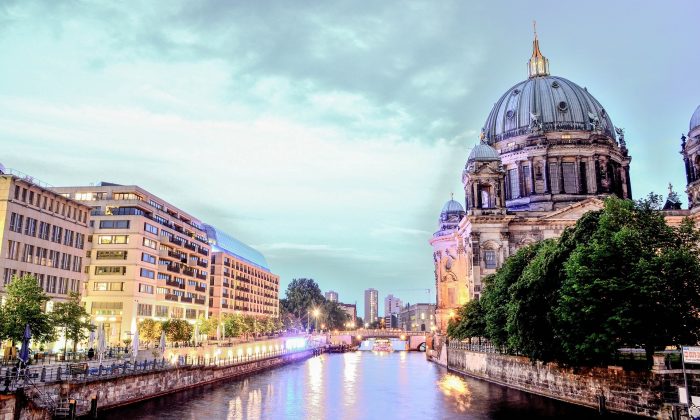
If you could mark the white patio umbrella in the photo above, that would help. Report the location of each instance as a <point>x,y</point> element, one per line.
<point>101,344</point>
<point>135,346</point>
<point>91,337</point>
<point>223,331</point>
<point>161,345</point>
<point>218,332</point>
<point>196,333</point>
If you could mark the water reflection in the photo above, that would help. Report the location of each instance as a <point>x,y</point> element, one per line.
<point>353,386</point>
<point>455,388</point>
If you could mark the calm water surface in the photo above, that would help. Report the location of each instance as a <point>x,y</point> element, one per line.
<point>360,385</point>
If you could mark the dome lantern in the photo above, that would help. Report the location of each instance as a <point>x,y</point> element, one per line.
<point>538,65</point>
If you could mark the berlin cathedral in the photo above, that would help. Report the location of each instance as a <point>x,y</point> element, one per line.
<point>548,153</point>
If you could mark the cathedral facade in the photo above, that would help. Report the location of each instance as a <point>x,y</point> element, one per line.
<point>548,153</point>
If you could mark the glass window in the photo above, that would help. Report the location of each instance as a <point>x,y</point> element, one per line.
<point>150,274</point>
<point>514,183</point>
<point>150,243</point>
<point>108,270</point>
<point>111,255</point>
<point>490,258</point>
<point>161,311</point>
<point>145,309</point>
<point>113,239</point>
<point>114,224</point>
<point>150,228</point>
<point>569,173</point>
<point>145,288</point>
<point>148,258</point>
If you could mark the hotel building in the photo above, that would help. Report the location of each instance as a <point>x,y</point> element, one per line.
<point>42,234</point>
<point>149,259</point>
<point>240,280</point>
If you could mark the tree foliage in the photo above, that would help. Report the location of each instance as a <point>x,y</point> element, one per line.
<point>334,316</point>
<point>24,304</point>
<point>621,277</point>
<point>73,319</point>
<point>301,296</point>
<point>150,330</point>
<point>177,330</point>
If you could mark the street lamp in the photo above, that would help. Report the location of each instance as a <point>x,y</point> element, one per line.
<point>316,313</point>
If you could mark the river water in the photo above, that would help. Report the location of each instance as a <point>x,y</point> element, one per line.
<point>359,385</point>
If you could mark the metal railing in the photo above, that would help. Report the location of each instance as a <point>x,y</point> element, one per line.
<point>14,377</point>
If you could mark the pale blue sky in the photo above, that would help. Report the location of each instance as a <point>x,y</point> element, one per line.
<point>326,134</point>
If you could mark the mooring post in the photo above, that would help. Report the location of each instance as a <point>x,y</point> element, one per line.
<point>601,404</point>
<point>93,407</point>
<point>71,409</point>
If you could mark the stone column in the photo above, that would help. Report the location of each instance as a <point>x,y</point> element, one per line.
<point>560,165</point>
<point>592,184</point>
<point>623,182</point>
<point>577,173</point>
<point>532,175</point>
<point>547,186</point>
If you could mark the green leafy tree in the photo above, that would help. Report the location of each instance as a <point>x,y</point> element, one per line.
<point>150,331</point>
<point>301,296</point>
<point>496,294</point>
<point>71,317</point>
<point>634,283</point>
<point>178,330</point>
<point>235,325</point>
<point>288,319</point>
<point>334,316</point>
<point>469,322</point>
<point>24,303</point>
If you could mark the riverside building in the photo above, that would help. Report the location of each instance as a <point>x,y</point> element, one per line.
<point>42,234</point>
<point>149,259</point>
<point>240,280</point>
<point>417,317</point>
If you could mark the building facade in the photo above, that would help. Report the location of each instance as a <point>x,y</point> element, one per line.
<point>43,234</point>
<point>331,296</point>
<point>392,305</point>
<point>417,317</point>
<point>548,153</point>
<point>351,310</point>
<point>240,280</point>
<point>149,259</point>
<point>371,306</point>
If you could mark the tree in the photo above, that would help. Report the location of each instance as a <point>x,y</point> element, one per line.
<point>334,316</point>
<point>178,330</point>
<point>150,330</point>
<point>633,283</point>
<point>359,322</point>
<point>289,320</point>
<point>235,325</point>
<point>24,303</point>
<point>496,294</point>
<point>301,296</point>
<point>469,322</point>
<point>73,319</point>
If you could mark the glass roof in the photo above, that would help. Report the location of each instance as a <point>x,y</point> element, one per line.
<point>222,242</point>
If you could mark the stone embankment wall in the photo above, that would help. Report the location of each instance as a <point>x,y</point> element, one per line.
<point>123,390</point>
<point>649,393</point>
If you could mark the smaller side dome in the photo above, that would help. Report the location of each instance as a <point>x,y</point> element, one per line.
<point>452,206</point>
<point>695,119</point>
<point>482,152</point>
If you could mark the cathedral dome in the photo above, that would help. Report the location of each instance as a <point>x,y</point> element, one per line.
<point>452,207</point>
<point>549,103</point>
<point>695,119</point>
<point>483,153</point>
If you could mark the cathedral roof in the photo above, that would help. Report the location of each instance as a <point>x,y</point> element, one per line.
<point>482,152</point>
<point>695,119</point>
<point>546,103</point>
<point>452,207</point>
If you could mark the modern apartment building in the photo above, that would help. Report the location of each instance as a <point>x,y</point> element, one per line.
<point>240,280</point>
<point>149,259</point>
<point>392,305</point>
<point>331,296</point>
<point>417,317</point>
<point>43,234</point>
<point>371,306</point>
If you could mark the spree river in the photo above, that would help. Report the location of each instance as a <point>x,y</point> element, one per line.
<point>358,385</point>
